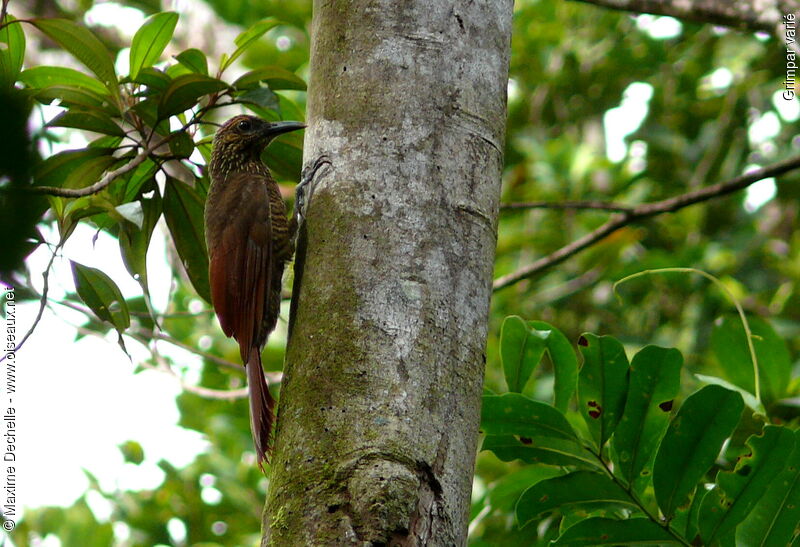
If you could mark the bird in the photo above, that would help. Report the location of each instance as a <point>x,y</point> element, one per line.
<point>249,241</point>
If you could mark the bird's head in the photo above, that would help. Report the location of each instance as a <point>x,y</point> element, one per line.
<point>242,138</point>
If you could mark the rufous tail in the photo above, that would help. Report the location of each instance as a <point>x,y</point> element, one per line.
<point>261,407</point>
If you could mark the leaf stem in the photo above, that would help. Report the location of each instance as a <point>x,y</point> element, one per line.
<point>748,333</point>
<point>628,490</point>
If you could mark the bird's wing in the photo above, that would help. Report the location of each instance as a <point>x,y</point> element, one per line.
<point>240,264</point>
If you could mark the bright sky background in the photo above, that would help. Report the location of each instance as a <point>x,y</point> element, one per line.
<point>77,401</point>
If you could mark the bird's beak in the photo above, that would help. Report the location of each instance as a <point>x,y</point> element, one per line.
<point>278,128</point>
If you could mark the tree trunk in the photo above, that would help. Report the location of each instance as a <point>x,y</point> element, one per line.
<point>379,410</point>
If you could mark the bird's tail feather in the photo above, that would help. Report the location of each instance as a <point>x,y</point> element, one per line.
<point>261,407</point>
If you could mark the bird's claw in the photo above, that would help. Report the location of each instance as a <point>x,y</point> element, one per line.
<point>305,188</point>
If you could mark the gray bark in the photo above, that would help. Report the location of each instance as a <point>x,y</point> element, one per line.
<point>763,15</point>
<point>379,410</point>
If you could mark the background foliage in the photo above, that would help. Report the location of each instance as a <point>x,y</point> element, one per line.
<point>707,100</point>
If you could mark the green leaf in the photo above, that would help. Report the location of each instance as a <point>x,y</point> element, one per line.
<point>13,54</point>
<point>504,493</point>
<point>692,442</point>
<point>184,91</point>
<point>577,488</point>
<point>774,518</point>
<point>88,120</point>
<point>134,241</point>
<point>749,399</point>
<point>183,211</point>
<point>515,414</point>
<point>565,363</point>
<point>56,169</point>
<point>102,295</point>
<point>602,384</point>
<point>521,349</point>
<point>654,382</point>
<point>148,111</point>
<point>603,531</point>
<point>47,76</point>
<point>729,345</point>
<point>285,156</point>
<point>248,38</point>
<point>151,39</point>
<point>156,80</point>
<point>261,96</point>
<point>181,144</point>
<point>195,60</point>
<point>84,45</point>
<point>140,178</point>
<point>274,76</point>
<point>132,452</point>
<point>539,450</point>
<point>738,491</point>
<point>73,97</point>
<point>74,211</point>
<point>686,517</point>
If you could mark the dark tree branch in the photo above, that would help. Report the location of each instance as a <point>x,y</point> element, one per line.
<point>641,212</point>
<point>601,205</point>
<point>42,301</point>
<point>99,185</point>
<point>741,14</point>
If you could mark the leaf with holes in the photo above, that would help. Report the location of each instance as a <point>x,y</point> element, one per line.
<point>655,377</point>
<point>605,531</point>
<point>602,384</point>
<point>515,414</point>
<point>772,521</point>
<point>738,491</point>
<point>692,442</point>
<point>540,450</point>
<point>580,488</point>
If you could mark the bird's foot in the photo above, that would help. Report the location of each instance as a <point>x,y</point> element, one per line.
<point>305,188</point>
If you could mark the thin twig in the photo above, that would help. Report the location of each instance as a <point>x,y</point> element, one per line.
<point>102,183</point>
<point>164,367</point>
<point>601,205</point>
<point>42,302</point>
<point>644,211</point>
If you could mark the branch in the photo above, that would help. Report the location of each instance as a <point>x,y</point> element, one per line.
<point>42,301</point>
<point>601,205</point>
<point>742,14</point>
<point>272,377</point>
<point>163,366</point>
<point>102,183</point>
<point>644,211</point>
<point>128,167</point>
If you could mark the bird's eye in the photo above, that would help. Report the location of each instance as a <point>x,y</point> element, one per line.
<point>244,125</point>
